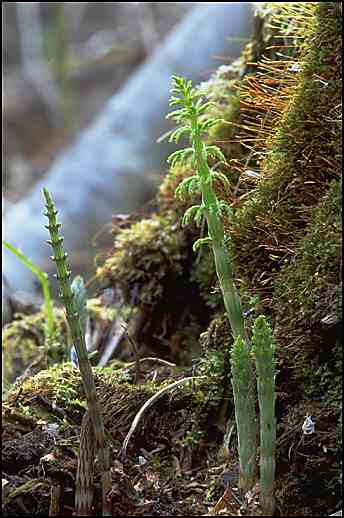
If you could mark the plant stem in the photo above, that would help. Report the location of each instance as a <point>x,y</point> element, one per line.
<point>222,259</point>
<point>264,349</point>
<point>245,413</point>
<point>63,276</point>
<point>244,394</point>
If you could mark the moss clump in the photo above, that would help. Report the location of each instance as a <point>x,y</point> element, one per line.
<point>147,256</point>
<point>215,364</point>
<point>302,157</point>
<point>24,338</point>
<point>23,342</point>
<point>57,395</point>
<point>166,200</point>
<point>307,301</point>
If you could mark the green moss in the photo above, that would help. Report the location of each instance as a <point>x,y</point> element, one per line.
<point>147,256</point>
<point>57,395</point>
<point>303,156</point>
<point>23,339</point>
<point>308,314</point>
<point>98,311</point>
<point>23,342</point>
<point>215,364</point>
<point>307,299</point>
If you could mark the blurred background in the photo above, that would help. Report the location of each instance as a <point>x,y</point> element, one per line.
<point>61,62</point>
<point>85,95</point>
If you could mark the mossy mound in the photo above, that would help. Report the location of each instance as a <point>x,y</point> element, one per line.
<point>147,256</point>
<point>302,157</point>
<point>51,405</point>
<point>307,304</point>
<point>24,339</point>
<point>149,265</point>
<point>23,342</point>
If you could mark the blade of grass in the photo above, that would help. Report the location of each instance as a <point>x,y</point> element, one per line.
<point>43,279</point>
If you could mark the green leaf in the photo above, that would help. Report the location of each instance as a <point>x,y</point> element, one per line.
<point>80,300</point>
<point>210,123</point>
<point>178,115</point>
<point>180,156</point>
<point>175,136</point>
<point>196,94</point>
<point>204,106</point>
<point>43,279</point>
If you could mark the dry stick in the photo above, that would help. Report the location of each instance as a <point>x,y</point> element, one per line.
<point>135,352</point>
<point>55,500</point>
<point>148,404</point>
<point>94,410</point>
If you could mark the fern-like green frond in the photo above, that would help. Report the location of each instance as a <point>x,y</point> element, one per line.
<point>200,242</point>
<point>189,214</point>
<point>215,152</point>
<point>180,156</point>
<point>187,186</point>
<point>178,133</point>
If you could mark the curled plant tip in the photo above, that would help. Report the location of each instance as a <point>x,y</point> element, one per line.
<point>180,156</point>
<point>226,210</point>
<point>264,349</point>
<point>221,178</point>
<point>209,123</point>
<point>196,212</point>
<point>201,242</point>
<point>190,214</point>
<point>199,215</point>
<point>178,133</point>
<point>215,152</point>
<point>187,187</point>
